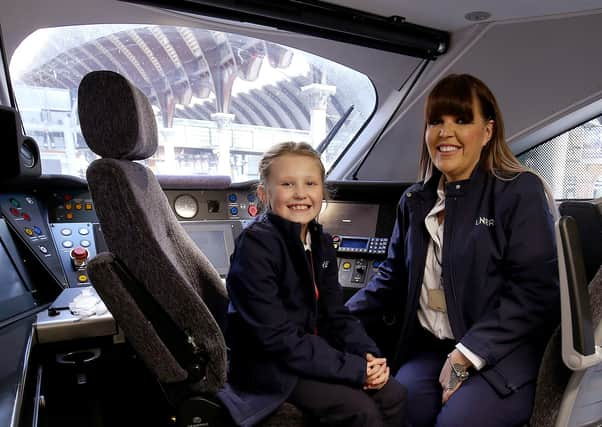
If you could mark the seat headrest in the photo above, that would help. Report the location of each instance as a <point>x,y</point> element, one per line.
<point>116,118</point>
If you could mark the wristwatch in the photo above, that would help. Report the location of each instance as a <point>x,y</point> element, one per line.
<point>459,373</point>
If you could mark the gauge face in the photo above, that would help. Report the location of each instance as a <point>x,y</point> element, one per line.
<point>186,206</point>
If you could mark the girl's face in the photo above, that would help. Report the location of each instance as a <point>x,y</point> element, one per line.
<point>455,143</point>
<point>294,189</point>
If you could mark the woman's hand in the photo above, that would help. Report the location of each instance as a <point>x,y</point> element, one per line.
<point>377,372</point>
<point>450,383</point>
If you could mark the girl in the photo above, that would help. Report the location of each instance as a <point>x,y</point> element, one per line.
<point>290,335</point>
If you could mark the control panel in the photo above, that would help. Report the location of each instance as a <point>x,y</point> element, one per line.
<point>213,205</point>
<point>355,272</point>
<point>62,230</point>
<point>360,245</point>
<point>358,258</point>
<point>71,207</point>
<point>27,218</point>
<point>76,246</point>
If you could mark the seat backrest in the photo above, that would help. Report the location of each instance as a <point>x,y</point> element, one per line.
<point>162,290</point>
<point>588,215</point>
<point>556,383</point>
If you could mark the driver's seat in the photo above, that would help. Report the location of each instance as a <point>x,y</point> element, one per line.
<point>166,296</point>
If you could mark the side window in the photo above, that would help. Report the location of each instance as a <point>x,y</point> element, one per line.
<point>572,162</point>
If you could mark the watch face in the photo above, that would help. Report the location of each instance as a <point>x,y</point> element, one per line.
<point>186,206</point>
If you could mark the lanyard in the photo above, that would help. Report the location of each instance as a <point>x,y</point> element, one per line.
<point>313,274</point>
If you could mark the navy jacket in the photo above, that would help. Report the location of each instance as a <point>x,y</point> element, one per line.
<point>499,275</point>
<point>273,318</point>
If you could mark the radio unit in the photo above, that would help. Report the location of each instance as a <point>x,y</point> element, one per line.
<point>360,245</point>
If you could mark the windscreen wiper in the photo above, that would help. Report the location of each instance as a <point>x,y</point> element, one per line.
<point>334,130</point>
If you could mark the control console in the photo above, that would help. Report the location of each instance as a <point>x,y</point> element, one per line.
<point>27,218</point>
<point>76,246</point>
<point>358,258</point>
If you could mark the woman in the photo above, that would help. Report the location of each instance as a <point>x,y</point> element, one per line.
<point>471,267</point>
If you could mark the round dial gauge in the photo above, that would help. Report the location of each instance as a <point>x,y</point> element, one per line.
<point>186,206</point>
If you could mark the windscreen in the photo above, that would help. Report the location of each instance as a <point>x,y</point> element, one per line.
<point>220,99</point>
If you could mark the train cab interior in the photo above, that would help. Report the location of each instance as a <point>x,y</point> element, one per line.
<point>112,294</point>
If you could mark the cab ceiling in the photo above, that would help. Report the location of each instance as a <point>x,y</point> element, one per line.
<point>450,15</point>
<point>544,73</point>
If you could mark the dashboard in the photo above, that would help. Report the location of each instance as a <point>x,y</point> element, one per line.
<point>48,236</point>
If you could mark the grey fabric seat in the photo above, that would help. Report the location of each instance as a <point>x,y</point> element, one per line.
<point>164,293</point>
<point>588,216</point>
<point>556,383</point>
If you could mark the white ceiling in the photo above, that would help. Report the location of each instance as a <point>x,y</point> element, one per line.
<point>449,14</point>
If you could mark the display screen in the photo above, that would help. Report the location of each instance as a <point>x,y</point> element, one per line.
<point>15,297</point>
<point>349,219</point>
<point>213,245</point>
<point>215,239</point>
<point>354,243</point>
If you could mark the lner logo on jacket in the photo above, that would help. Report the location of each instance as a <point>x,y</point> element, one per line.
<point>499,271</point>
<point>277,329</point>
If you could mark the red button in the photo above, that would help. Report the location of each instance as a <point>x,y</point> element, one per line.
<point>252,210</point>
<point>26,216</point>
<point>14,211</point>
<point>79,253</point>
<point>68,197</point>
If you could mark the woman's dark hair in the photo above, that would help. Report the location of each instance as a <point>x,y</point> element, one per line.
<point>454,95</point>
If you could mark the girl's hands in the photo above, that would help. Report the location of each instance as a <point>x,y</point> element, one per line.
<point>377,372</point>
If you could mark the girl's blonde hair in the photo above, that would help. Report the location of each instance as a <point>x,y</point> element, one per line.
<point>454,96</point>
<point>292,148</point>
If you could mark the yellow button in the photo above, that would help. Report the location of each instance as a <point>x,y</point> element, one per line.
<point>78,206</point>
<point>69,215</point>
<point>68,206</point>
<point>346,265</point>
<point>82,278</point>
<point>28,231</point>
<point>88,206</point>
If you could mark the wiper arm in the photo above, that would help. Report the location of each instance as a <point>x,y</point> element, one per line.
<point>335,129</point>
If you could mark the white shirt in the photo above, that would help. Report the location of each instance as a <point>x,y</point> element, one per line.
<point>307,243</point>
<point>434,321</point>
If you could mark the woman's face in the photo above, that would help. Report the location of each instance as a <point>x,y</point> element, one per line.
<point>455,143</point>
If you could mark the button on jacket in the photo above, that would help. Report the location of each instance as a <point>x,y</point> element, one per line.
<point>499,271</point>
<point>277,330</point>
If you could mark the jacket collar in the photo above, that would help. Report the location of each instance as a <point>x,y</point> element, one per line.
<point>456,188</point>
<point>292,230</point>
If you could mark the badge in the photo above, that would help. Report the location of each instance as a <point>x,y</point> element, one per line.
<point>436,300</point>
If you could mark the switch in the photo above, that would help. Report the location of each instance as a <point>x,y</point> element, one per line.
<point>79,257</point>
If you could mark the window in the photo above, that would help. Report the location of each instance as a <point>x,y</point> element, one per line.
<point>220,99</point>
<point>572,162</point>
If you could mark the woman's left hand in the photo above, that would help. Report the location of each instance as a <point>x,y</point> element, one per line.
<point>448,380</point>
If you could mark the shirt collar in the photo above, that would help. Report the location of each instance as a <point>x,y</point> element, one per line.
<point>307,243</point>
<point>441,188</point>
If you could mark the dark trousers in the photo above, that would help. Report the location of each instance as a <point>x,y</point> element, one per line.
<point>341,405</point>
<point>475,403</point>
